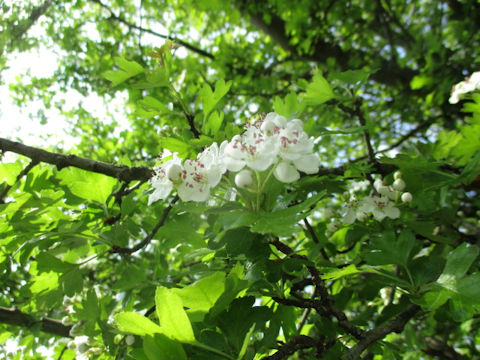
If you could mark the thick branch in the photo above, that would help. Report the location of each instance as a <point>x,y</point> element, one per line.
<point>18,318</point>
<point>379,333</point>
<point>435,347</point>
<point>146,241</point>
<point>151,32</point>
<point>389,72</point>
<point>120,172</point>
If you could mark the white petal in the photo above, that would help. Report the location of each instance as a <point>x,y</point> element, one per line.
<point>309,164</point>
<point>233,164</point>
<point>286,172</point>
<point>392,212</point>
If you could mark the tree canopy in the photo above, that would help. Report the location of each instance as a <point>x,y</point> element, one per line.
<point>285,180</point>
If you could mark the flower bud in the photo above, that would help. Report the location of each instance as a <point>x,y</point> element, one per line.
<point>82,347</point>
<point>174,172</point>
<point>76,329</point>
<point>399,185</point>
<point>377,183</point>
<point>117,339</point>
<point>407,197</point>
<point>244,179</point>
<point>66,321</point>
<point>397,175</point>
<point>129,340</point>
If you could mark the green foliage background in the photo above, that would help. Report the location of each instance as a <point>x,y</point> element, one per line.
<point>370,79</point>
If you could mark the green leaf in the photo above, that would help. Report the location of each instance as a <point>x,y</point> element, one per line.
<point>458,262</point>
<point>318,91</point>
<point>385,249</point>
<point>214,122</point>
<point>9,172</point>
<point>339,273</point>
<point>136,324</point>
<point>352,76</point>
<point>173,318</point>
<point>87,185</point>
<point>47,262</point>
<point>127,70</point>
<point>160,347</point>
<point>72,282</point>
<point>288,106</point>
<point>209,99</point>
<point>200,297</point>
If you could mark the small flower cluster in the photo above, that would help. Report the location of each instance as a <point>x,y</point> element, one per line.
<point>270,142</point>
<point>380,204</point>
<point>468,85</point>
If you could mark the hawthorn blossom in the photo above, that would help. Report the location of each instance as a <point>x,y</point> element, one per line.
<point>382,207</point>
<point>165,176</point>
<point>201,174</point>
<point>252,149</point>
<point>468,85</point>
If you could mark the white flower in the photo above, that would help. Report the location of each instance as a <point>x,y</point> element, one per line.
<point>384,208</point>
<point>200,175</point>
<point>244,179</point>
<point>468,85</point>
<point>252,149</point>
<point>357,210</point>
<point>162,180</point>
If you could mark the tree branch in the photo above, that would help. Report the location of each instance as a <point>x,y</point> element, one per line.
<point>296,343</point>
<point>142,29</point>
<point>325,300</point>
<point>380,332</point>
<point>146,241</point>
<point>17,318</point>
<point>389,72</point>
<point>61,161</point>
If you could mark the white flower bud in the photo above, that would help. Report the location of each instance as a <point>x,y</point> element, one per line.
<point>129,340</point>
<point>76,329</point>
<point>407,197</point>
<point>117,339</point>
<point>397,175</point>
<point>174,172</point>
<point>244,179</point>
<point>286,172</point>
<point>82,347</point>
<point>66,321</point>
<point>399,185</point>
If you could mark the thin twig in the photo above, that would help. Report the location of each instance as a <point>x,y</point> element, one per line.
<point>146,241</point>
<point>24,172</point>
<point>145,30</point>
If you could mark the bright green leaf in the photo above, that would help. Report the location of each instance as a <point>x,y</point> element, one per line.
<point>136,324</point>
<point>173,318</point>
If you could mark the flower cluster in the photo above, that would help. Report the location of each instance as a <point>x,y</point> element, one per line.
<point>270,142</point>
<point>380,204</point>
<point>468,85</point>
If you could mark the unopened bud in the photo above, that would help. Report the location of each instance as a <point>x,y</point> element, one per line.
<point>66,321</point>
<point>399,185</point>
<point>407,197</point>
<point>82,348</point>
<point>377,183</point>
<point>244,179</point>
<point>397,175</point>
<point>129,340</point>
